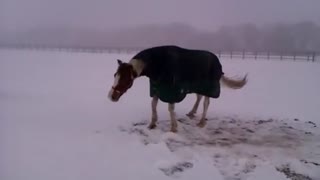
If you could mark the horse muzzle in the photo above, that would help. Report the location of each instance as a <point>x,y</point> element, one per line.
<point>114,95</point>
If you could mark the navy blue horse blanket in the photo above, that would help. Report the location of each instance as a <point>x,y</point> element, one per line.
<point>175,72</point>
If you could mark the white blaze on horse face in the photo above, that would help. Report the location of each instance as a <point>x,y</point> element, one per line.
<point>115,83</point>
<point>116,80</point>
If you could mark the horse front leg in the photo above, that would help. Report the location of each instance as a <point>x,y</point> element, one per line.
<point>203,119</point>
<point>195,107</point>
<point>174,124</point>
<point>154,116</point>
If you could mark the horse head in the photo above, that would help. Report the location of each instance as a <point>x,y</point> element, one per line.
<point>123,80</point>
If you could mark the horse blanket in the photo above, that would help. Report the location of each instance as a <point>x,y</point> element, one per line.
<point>175,72</point>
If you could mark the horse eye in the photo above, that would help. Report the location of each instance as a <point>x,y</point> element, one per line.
<point>114,75</point>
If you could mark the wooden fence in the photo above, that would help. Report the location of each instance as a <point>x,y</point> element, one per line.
<point>295,56</point>
<point>257,55</point>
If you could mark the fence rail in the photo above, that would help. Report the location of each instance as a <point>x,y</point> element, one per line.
<point>295,56</point>
<point>257,55</point>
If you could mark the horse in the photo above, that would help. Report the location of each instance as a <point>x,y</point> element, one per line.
<point>173,73</point>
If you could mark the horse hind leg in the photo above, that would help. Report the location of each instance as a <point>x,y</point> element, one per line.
<point>174,124</point>
<point>154,116</point>
<point>194,109</point>
<point>203,119</point>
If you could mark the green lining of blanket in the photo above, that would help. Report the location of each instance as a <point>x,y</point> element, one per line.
<point>175,93</point>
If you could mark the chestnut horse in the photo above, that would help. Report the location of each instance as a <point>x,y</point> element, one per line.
<point>174,72</point>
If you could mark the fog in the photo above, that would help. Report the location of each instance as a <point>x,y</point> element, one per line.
<point>99,23</point>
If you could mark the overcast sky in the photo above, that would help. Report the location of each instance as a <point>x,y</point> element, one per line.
<point>22,15</point>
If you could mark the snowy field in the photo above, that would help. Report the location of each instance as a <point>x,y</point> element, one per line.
<point>56,122</point>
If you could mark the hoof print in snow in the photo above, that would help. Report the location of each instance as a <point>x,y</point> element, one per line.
<point>308,162</point>
<point>310,122</point>
<point>291,174</point>
<point>140,123</point>
<point>249,168</point>
<point>296,119</point>
<point>308,133</point>
<point>286,127</point>
<point>217,132</point>
<point>177,168</point>
<point>184,121</point>
<point>139,132</point>
<point>248,130</point>
<point>173,145</point>
<point>232,121</point>
<point>265,121</point>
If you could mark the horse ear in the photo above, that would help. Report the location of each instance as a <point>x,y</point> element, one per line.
<point>119,61</point>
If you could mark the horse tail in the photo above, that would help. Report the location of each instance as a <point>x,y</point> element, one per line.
<point>233,83</point>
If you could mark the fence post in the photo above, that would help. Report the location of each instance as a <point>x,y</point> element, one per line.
<point>255,55</point>
<point>294,56</point>
<point>280,55</point>
<point>313,56</point>
<point>219,53</point>
<point>231,54</point>
<point>243,54</point>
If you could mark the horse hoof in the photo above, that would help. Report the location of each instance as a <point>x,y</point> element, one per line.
<point>152,126</point>
<point>191,116</point>
<point>174,130</point>
<point>201,124</point>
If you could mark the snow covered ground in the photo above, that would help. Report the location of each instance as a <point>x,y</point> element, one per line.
<point>56,122</point>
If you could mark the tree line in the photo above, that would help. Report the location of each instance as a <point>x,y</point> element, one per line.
<point>294,37</point>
